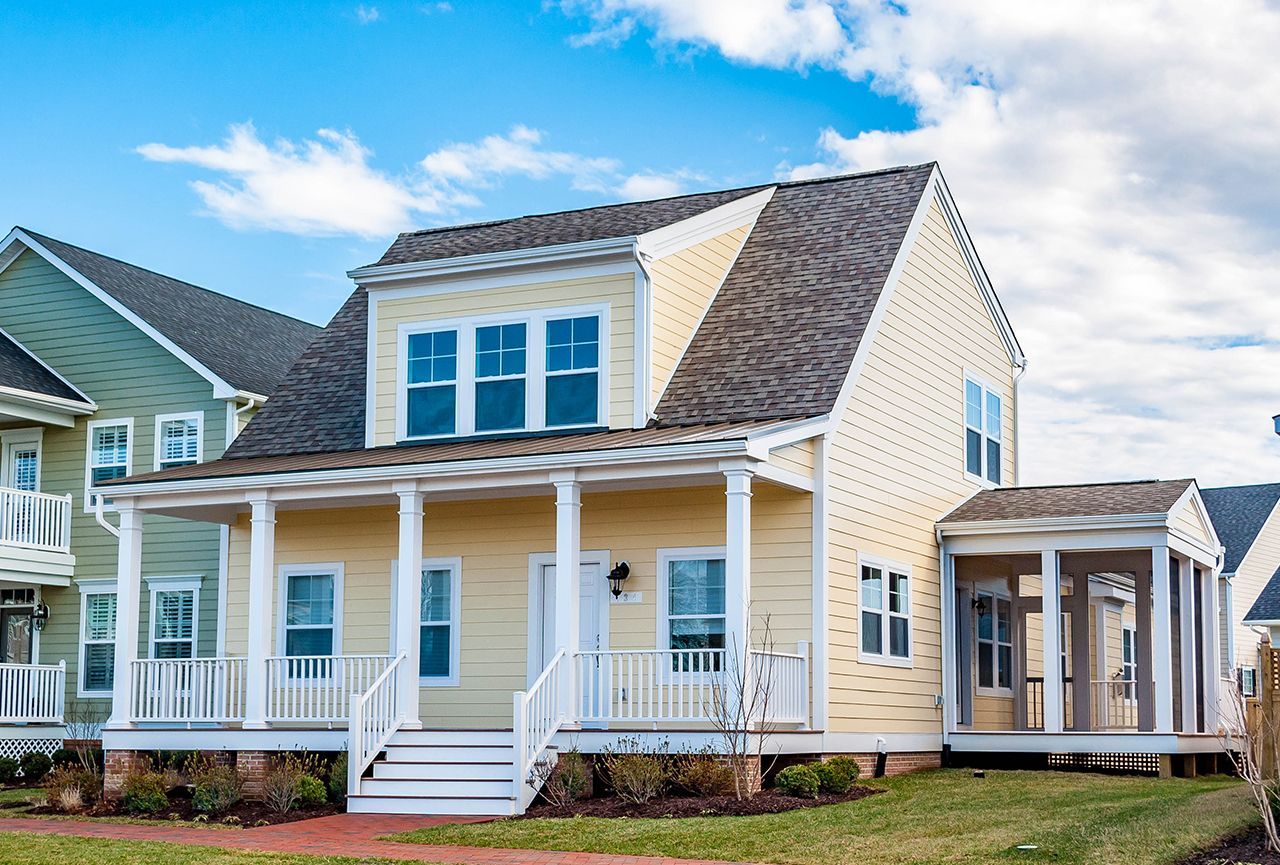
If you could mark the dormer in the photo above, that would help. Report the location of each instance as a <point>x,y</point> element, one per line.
<point>498,329</point>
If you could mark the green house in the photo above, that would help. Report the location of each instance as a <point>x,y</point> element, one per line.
<point>107,370</point>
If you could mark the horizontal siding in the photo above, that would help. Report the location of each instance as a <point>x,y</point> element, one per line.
<point>1251,577</point>
<point>798,458</point>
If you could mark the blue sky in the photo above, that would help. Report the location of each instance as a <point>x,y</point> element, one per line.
<point>1114,162</point>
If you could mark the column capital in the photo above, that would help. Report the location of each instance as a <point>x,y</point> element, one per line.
<point>410,501</point>
<point>568,493</point>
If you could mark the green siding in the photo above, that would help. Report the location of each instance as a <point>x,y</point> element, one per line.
<point>128,375</point>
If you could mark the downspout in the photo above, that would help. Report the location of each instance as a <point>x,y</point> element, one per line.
<point>102,518</point>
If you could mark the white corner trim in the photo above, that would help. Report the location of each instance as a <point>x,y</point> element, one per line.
<point>371,374</point>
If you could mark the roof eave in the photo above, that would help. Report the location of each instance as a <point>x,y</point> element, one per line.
<point>1076,523</point>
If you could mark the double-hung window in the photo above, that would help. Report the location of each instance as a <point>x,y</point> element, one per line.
<point>884,596</point>
<point>573,371</point>
<point>994,635</point>
<point>432,383</point>
<point>438,624</point>
<point>693,606</point>
<point>97,639</point>
<point>178,440</point>
<point>1128,660</point>
<point>175,605</point>
<point>312,610</point>
<point>109,457</point>
<point>500,400</point>
<point>983,431</point>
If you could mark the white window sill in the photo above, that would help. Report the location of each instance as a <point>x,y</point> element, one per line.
<point>886,661</point>
<point>1003,693</point>
<point>438,682</point>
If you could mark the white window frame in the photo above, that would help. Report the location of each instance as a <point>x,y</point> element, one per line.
<point>156,585</point>
<point>130,447</point>
<point>1249,681</point>
<point>282,606</point>
<point>885,659</point>
<point>14,438</point>
<point>454,565</point>
<point>985,435</point>
<point>1130,691</point>
<point>996,690</point>
<point>685,554</point>
<point>87,588</point>
<point>161,419</point>
<point>477,379</point>
<point>535,322</point>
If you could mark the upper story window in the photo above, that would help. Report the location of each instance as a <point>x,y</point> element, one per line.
<point>178,439</point>
<point>502,373</point>
<point>983,431</point>
<point>110,454</point>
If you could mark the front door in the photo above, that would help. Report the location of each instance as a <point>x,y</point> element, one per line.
<point>591,592</point>
<point>15,635</point>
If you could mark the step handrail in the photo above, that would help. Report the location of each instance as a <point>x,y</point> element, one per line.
<point>538,714</point>
<point>375,717</point>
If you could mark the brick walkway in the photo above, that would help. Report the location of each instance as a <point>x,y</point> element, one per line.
<point>353,835</point>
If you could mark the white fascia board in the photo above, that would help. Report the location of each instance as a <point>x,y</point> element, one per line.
<point>787,433</point>
<point>59,376</point>
<point>372,276</point>
<point>1118,521</point>
<point>42,409</point>
<point>221,390</point>
<point>687,232</point>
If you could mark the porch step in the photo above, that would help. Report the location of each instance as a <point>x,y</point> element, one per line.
<point>469,738</point>
<point>443,771</point>
<point>451,805</point>
<point>397,753</point>
<point>471,788</point>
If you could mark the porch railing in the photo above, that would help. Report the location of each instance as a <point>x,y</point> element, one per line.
<point>1115,704</point>
<point>37,521</point>
<point>318,688</point>
<point>788,692</point>
<point>536,718</point>
<point>32,693</point>
<point>186,690</point>
<point>374,716</point>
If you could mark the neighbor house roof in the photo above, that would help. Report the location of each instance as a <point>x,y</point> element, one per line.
<point>1238,515</point>
<point>247,346</point>
<point>1267,606</point>
<point>1058,502</point>
<point>20,370</point>
<point>777,342</point>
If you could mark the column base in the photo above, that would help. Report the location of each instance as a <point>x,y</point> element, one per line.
<point>255,725</point>
<point>411,725</point>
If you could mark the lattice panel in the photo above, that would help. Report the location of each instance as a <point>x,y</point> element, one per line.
<point>1136,764</point>
<point>15,748</point>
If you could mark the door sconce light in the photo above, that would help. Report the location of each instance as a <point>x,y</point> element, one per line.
<point>40,616</point>
<point>617,576</point>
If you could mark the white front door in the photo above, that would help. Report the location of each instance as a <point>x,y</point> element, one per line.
<point>592,620</point>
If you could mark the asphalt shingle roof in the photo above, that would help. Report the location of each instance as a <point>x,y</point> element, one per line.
<point>777,342</point>
<point>249,347</point>
<point>21,371</point>
<point>1267,607</point>
<point>1084,500</point>
<point>1238,514</point>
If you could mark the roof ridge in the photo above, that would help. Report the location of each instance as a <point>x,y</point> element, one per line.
<point>130,264</point>
<point>1243,486</point>
<point>1093,484</point>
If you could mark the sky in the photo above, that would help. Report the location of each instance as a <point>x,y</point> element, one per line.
<point>1114,163</point>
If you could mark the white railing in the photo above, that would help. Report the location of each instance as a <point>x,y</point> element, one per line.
<point>786,700</point>
<point>32,692</point>
<point>1115,704</point>
<point>536,718</point>
<point>209,690</point>
<point>649,685</point>
<point>37,521</point>
<point>319,687</point>
<point>374,716</point>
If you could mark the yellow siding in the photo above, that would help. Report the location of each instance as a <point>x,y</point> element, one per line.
<point>1190,522</point>
<point>798,458</point>
<point>992,713</point>
<point>617,291</point>
<point>897,464</point>
<point>494,539</point>
<point>1256,568</point>
<point>684,284</point>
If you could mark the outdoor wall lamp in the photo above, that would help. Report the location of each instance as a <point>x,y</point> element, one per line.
<point>617,576</point>
<point>981,606</point>
<point>40,616</point>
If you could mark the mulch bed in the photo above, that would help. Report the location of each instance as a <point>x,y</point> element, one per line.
<point>765,802</point>
<point>1250,848</point>
<point>246,814</point>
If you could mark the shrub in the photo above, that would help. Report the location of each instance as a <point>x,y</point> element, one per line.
<point>71,799</point>
<point>281,786</point>
<point>144,792</point>
<point>89,784</point>
<point>704,774</point>
<point>636,772</point>
<point>65,757</point>
<point>567,781</point>
<point>35,766</point>
<point>798,781</point>
<point>8,770</point>
<point>837,775</point>
<point>312,792</point>
<point>338,778</point>
<point>214,788</point>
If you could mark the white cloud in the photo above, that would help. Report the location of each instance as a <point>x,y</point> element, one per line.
<point>1115,164</point>
<point>327,186</point>
<point>367,14</point>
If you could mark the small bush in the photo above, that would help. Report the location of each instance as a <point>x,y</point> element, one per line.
<point>338,778</point>
<point>89,784</point>
<point>71,799</point>
<point>704,774</point>
<point>837,775</point>
<point>637,776</point>
<point>568,780</point>
<point>214,788</point>
<point>65,757</point>
<point>281,786</point>
<point>798,781</point>
<point>144,792</point>
<point>8,770</point>
<point>35,766</point>
<point>312,792</point>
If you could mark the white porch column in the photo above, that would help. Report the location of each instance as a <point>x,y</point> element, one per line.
<point>1081,686</point>
<point>1211,660</point>
<point>128,592</point>
<point>737,567</point>
<point>1161,640</point>
<point>950,664</point>
<point>409,604</point>
<point>1189,663</point>
<point>1051,612</point>
<point>262,558</point>
<point>568,578</point>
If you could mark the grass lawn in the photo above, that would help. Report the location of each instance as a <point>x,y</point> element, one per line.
<point>940,816</point>
<point>20,848</point>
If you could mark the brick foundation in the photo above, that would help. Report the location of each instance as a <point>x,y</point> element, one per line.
<point>253,766</point>
<point>118,765</point>
<point>898,763</point>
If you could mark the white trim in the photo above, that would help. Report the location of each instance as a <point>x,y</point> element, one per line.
<point>224,555</point>
<point>666,556</point>
<point>104,586</point>
<point>1034,742</point>
<point>988,588</point>
<point>161,419</point>
<point>821,589</point>
<point>1191,498</point>
<point>16,437</point>
<point>554,258</point>
<point>155,585</point>
<point>453,564</point>
<point>371,372</point>
<point>221,389</point>
<point>38,408</point>
<point>90,405</point>
<point>642,339</point>
<point>886,566</point>
<point>130,449</point>
<point>336,569</point>
<point>538,562</point>
<point>678,236</point>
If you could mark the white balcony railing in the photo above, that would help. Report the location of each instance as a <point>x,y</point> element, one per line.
<point>186,690</point>
<point>319,687</point>
<point>37,521</point>
<point>32,693</point>
<point>1115,704</point>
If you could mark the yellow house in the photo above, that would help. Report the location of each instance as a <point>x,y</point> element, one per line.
<point>548,481</point>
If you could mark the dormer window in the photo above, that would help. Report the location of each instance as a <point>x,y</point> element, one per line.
<point>514,372</point>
